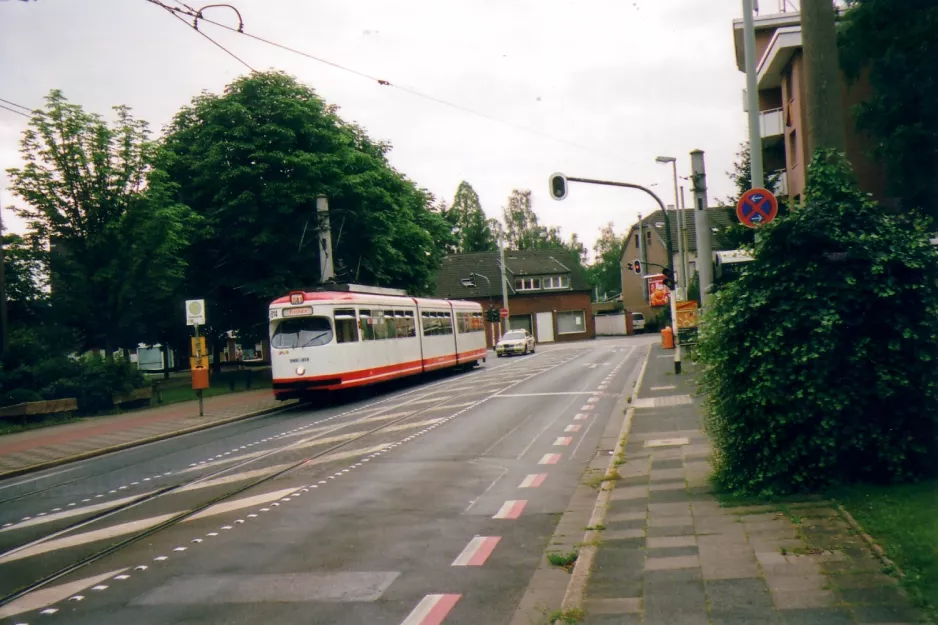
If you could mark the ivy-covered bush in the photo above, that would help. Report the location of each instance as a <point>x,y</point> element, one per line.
<point>820,362</point>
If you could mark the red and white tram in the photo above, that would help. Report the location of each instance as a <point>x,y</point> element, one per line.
<point>322,341</point>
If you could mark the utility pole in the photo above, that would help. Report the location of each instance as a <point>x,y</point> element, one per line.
<point>501,257</point>
<point>756,174</point>
<point>641,252</point>
<point>825,119</point>
<point>684,266</point>
<point>326,266</point>
<point>3,293</point>
<point>704,250</point>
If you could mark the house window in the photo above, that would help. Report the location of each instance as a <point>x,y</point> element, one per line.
<point>571,322</point>
<point>556,282</point>
<point>527,284</point>
<point>637,242</point>
<point>648,237</point>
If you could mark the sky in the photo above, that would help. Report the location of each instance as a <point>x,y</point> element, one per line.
<point>589,88</point>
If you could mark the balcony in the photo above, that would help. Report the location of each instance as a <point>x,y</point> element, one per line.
<point>772,125</point>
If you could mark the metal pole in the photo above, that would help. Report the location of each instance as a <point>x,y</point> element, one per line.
<point>326,268</point>
<point>198,358</point>
<point>680,242</point>
<point>752,98</point>
<point>641,253</point>
<point>684,264</point>
<point>3,294</point>
<point>501,254</point>
<point>704,250</point>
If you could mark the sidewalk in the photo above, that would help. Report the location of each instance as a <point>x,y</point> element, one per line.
<point>32,450</point>
<point>670,554</point>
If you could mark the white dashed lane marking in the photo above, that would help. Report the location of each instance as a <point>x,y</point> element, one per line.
<point>477,551</point>
<point>45,597</point>
<point>511,509</point>
<point>533,480</point>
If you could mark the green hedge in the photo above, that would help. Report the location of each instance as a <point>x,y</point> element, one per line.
<point>820,360</point>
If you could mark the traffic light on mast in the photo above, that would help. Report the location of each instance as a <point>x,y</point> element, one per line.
<point>558,186</point>
<point>636,266</point>
<point>668,278</point>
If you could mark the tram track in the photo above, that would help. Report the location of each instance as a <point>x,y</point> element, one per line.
<point>192,510</point>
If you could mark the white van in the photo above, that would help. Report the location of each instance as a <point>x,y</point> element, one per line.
<point>638,322</point>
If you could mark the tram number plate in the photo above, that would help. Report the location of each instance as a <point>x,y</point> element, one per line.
<point>297,312</point>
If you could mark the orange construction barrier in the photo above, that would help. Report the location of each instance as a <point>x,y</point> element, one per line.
<point>667,338</point>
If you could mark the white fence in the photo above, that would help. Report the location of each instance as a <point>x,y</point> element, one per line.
<point>610,325</point>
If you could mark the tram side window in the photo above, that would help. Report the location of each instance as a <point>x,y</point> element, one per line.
<point>446,323</point>
<point>365,323</point>
<point>462,322</point>
<point>390,324</point>
<point>411,324</point>
<point>381,330</point>
<point>346,328</point>
<point>430,324</point>
<point>477,323</point>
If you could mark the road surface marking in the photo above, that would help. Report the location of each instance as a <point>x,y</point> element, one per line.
<point>587,407</point>
<point>662,402</point>
<point>572,428</point>
<point>431,610</point>
<point>477,551</point>
<point>544,394</point>
<point>663,388</point>
<point>235,477</point>
<point>47,596</point>
<point>533,480</point>
<point>511,509</point>
<point>74,512</point>
<point>563,441</point>
<point>549,459</point>
<point>592,400</point>
<point>240,504</point>
<point>87,537</point>
<point>581,417</point>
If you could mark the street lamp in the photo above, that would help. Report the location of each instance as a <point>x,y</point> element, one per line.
<point>470,283</point>
<point>681,225</point>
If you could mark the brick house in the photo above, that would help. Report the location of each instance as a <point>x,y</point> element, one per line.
<point>548,294</point>
<point>633,286</point>
<point>783,115</point>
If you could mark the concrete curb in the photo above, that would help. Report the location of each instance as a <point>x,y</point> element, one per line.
<point>576,589</point>
<point>143,441</point>
<point>880,553</point>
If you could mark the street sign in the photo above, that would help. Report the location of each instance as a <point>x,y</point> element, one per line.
<point>195,312</point>
<point>503,313</point>
<point>756,207</point>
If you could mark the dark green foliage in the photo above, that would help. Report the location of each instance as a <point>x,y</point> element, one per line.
<point>605,273</point>
<point>251,163</point>
<point>471,230</point>
<point>895,44</point>
<point>820,360</point>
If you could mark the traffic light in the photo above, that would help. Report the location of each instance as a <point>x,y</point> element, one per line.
<point>636,266</point>
<point>668,277</point>
<point>492,316</point>
<point>558,186</point>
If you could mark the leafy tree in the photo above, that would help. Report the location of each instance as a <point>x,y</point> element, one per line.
<point>252,161</point>
<point>737,235</point>
<point>26,299</point>
<point>577,249</point>
<point>472,230</point>
<point>820,360</point>
<point>895,44</point>
<point>522,230</point>
<point>104,229</point>
<point>605,272</point>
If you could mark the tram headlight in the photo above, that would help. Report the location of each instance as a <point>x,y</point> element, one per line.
<point>300,370</point>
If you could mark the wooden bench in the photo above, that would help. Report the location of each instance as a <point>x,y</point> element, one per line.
<point>39,408</point>
<point>138,395</point>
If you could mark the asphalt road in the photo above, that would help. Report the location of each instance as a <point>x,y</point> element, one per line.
<point>420,504</point>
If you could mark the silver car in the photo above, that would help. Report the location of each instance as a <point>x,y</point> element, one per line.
<point>515,342</point>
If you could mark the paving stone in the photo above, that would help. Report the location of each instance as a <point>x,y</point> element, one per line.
<point>668,496</point>
<point>629,492</point>
<point>657,487</point>
<point>670,509</point>
<point>629,605</point>
<point>781,526</point>
<point>625,516</point>
<point>761,617</point>
<point>639,480</point>
<point>730,569</point>
<point>675,562</point>
<point>886,613</point>
<point>623,559</point>
<point>667,474</point>
<point>670,541</point>
<point>668,521</point>
<point>798,599</point>
<point>613,583</point>
<point>670,552</point>
<point>674,597</point>
<point>709,508</point>
<point>677,530</point>
<point>769,545</point>
<point>816,617</point>
<point>871,594</point>
<point>628,505</point>
<point>738,595</point>
<point>612,619</point>
<point>732,539</point>
<point>762,516</point>
<point>609,534</point>
<point>795,582</point>
<point>667,464</point>
<point>742,510</point>
<point>635,524</point>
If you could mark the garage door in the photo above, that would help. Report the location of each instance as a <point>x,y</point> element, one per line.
<point>520,322</point>
<point>545,327</point>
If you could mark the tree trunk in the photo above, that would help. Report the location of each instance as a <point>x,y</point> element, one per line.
<point>823,101</point>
